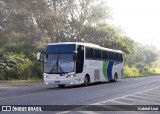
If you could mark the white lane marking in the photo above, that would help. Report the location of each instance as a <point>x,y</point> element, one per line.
<point>155,90</point>
<point>12,97</point>
<point>101,103</point>
<point>31,94</point>
<point>4,86</point>
<point>64,112</point>
<point>124,96</point>
<point>130,99</point>
<point>138,101</point>
<point>119,102</point>
<point>140,96</point>
<point>87,112</point>
<point>151,92</point>
<point>147,94</point>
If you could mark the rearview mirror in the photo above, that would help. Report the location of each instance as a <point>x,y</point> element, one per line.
<point>42,57</point>
<point>38,56</point>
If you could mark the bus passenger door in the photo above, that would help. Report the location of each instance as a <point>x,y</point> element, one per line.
<point>80,59</point>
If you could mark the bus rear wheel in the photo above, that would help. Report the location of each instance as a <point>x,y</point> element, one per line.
<point>61,86</point>
<point>115,78</point>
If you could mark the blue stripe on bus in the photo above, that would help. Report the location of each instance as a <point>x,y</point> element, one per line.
<point>109,70</point>
<point>116,63</point>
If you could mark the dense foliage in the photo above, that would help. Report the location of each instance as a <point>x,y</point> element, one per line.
<point>26,26</point>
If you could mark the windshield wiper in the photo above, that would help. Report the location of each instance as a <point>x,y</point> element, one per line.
<point>55,68</point>
<point>61,69</point>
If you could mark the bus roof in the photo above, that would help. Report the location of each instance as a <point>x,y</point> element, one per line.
<point>88,45</point>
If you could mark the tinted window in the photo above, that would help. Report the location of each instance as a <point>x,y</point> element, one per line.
<point>52,49</point>
<point>110,54</point>
<point>89,53</point>
<point>104,55</point>
<point>120,57</point>
<point>116,56</point>
<point>66,48</point>
<point>97,54</point>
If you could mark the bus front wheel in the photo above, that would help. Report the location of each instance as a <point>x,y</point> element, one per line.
<point>86,81</point>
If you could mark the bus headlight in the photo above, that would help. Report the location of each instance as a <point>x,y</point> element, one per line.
<point>46,77</point>
<point>71,76</point>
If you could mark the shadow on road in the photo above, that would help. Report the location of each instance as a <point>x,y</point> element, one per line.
<point>81,86</point>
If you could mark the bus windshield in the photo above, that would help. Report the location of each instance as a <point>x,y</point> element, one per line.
<point>59,59</point>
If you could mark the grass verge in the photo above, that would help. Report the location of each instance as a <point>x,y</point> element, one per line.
<point>22,81</point>
<point>142,75</point>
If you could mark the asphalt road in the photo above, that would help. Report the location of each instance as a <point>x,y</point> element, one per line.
<point>130,91</point>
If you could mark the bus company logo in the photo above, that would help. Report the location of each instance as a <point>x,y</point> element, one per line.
<point>6,108</point>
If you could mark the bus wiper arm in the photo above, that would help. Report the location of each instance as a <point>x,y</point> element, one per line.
<point>61,69</point>
<point>53,67</point>
<point>56,66</point>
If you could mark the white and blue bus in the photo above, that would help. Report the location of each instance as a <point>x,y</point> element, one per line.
<point>75,63</point>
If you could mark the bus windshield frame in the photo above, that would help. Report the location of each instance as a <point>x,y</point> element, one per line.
<point>59,59</point>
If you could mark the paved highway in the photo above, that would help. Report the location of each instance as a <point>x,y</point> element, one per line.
<point>129,91</point>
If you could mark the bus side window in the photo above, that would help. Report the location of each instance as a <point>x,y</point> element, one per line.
<point>97,54</point>
<point>89,53</point>
<point>111,57</point>
<point>105,55</point>
<point>116,56</point>
<point>120,57</point>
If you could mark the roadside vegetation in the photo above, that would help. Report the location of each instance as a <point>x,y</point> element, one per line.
<point>26,27</point>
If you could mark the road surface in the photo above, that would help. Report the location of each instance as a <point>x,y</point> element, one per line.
<point>129,91</point>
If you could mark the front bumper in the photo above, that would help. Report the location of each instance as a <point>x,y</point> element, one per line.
<point>66,81</point>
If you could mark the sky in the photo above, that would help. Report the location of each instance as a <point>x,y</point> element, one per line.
<point>139,19</point>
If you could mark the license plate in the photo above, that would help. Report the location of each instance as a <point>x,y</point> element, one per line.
<point>57,81</point>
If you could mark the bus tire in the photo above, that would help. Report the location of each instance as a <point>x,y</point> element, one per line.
<point>115,77</point>
<point>86,80</point>
<point>61,86</point>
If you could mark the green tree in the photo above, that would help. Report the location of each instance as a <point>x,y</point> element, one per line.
<point>143,57</point>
